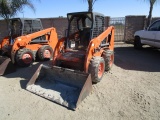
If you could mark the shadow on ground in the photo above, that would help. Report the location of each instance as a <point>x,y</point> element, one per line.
<point>25,72</point>
<point>128,58</point>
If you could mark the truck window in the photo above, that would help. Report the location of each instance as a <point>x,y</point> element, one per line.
<point>155,26</point>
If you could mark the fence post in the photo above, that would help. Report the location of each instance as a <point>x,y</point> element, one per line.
<point>132,24</point>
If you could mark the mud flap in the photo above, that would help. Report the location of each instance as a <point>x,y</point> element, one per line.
<point>66,87</point>
<point>6,66</point>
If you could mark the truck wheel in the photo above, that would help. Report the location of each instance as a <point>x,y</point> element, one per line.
<point>96,69</point>
<point>24,57</point>
<point>137,43</point>
<point>45,53</point>
<point>108,56</point>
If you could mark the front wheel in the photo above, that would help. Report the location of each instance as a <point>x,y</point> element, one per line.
<point>24,57</point>
<point>97,68</point>
<point>45,53</point>
<point>137,43</point>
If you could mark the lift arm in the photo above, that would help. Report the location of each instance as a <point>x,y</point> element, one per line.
<point>95,49</point>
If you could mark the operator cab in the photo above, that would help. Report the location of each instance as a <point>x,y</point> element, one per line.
<point>23,26</point>
<point>83,26</point>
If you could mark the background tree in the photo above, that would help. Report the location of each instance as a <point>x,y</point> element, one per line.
<point>90,4</point>
<point>152,3</point>
<point>10,8</point>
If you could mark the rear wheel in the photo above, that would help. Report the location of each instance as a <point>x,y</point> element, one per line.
<point>108,56</point>
<point>137,43</point>
<point>24,57</point>
<point>97,68</point>
<point>45,53</point>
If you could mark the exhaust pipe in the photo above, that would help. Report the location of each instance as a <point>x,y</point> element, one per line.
<point>66,87</point>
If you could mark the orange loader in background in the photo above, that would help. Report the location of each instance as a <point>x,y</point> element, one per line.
<point>26,42</point>
<point>79,59</point>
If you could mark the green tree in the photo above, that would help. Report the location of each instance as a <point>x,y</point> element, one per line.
<point>9,8</point>
<point>149,18</point>
<point>90,4</point>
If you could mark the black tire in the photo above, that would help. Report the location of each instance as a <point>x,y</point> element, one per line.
<point>108,56</point>
<point>4,53</point>
<point>42,50</point>
<point>1,52</point>
<point>94,70</point>
<point>24,57</point>
<point>137,43</point>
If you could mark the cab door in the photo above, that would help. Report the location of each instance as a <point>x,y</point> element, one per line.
<point>157,38</point>
<point>147,37</point>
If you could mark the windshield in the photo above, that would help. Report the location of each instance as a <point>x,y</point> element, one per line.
<point>15,27</point>
<point>79,23</point>
<point>79,31</point>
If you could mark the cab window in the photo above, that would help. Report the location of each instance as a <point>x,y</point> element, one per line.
<point>27,27</point>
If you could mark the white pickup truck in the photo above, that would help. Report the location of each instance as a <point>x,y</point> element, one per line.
<point>150,36</point>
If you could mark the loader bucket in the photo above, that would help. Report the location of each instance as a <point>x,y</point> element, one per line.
<point>63,86</point>
<point>6,66</point>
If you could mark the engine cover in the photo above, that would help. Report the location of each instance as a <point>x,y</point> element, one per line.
<point>71,59</point>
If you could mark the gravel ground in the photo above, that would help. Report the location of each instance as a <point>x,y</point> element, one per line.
<point>130,91</point>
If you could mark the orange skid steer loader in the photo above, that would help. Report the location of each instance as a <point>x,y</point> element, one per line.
<point>79,59</point>
<point>26,41</point>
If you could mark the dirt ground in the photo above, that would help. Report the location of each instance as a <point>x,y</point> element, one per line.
<point>130,91</point>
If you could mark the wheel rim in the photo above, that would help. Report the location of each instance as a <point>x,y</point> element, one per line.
<point>47,54</point>
<point>27,58</point>
<point>100,70</point>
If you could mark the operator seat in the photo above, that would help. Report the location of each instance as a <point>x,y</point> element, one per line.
<point>84,38</point>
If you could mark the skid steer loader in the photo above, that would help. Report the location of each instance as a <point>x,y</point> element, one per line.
<point>79,59</point>
<point>25,42</point>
